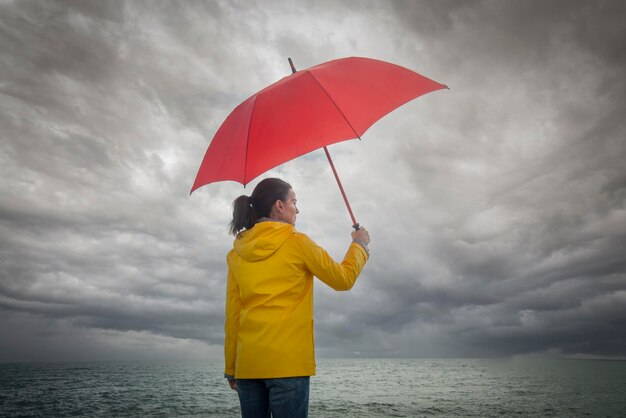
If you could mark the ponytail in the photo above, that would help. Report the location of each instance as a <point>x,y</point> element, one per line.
<point>244,215</point>
<point>247,210</point>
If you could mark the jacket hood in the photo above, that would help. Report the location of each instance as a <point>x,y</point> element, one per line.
<point>262,240</point>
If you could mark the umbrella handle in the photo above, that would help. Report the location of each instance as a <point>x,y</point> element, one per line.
<point>355,224</point>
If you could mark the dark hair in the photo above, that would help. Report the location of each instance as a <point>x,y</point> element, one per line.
<point>248,209</point>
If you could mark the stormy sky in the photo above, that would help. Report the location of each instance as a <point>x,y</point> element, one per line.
<point>497,209</point>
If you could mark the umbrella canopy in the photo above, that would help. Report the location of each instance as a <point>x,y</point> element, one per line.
<point>325,104</point>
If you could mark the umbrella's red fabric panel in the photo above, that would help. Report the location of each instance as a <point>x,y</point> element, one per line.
<point>291,121</point>
<point>225,158</point>
<point>379,86</point>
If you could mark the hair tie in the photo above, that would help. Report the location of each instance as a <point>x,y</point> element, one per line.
<point>250,201</point>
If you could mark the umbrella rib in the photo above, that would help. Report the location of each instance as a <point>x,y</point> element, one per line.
<point>245,164</point>
<point>336,106</point>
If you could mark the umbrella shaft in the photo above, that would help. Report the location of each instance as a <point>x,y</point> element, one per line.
<point>355,224</point>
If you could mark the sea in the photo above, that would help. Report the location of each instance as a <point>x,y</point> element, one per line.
<point>360,388</point>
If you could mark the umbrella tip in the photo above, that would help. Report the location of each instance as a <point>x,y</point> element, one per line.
<point>293,68</point>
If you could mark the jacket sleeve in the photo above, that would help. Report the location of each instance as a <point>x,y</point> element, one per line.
<point>231,326</point>
<point>339,276</point>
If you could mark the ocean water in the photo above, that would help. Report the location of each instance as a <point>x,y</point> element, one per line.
<point>343,388</point>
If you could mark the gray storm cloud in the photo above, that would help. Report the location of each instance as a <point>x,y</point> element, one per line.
<point>497,209</point>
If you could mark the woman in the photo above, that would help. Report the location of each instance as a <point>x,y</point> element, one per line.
<point>269,348</point>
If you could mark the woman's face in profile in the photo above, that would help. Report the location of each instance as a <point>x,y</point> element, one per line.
<point>290,210</point>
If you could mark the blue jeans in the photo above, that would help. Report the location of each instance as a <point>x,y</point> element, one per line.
<point>286,397</point>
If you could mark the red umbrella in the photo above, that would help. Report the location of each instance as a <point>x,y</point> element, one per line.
<point>325,104</point>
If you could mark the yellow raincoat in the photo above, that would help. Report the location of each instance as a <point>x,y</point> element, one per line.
<point>269,299</point>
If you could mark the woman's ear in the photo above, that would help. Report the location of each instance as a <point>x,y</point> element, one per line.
<point>279,206</point>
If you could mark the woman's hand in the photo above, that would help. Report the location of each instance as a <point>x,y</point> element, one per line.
<point>361,235</point>
<point>232,384</point>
